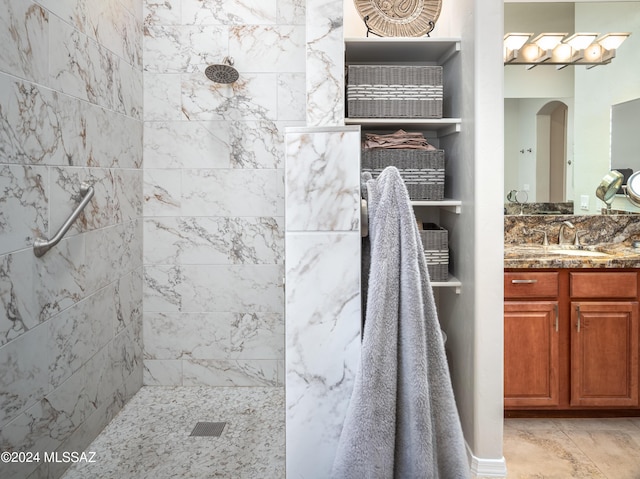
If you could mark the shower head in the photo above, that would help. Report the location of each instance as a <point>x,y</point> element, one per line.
<point>222,72</point>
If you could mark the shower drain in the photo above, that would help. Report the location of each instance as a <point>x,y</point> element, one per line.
<point>208,429</point>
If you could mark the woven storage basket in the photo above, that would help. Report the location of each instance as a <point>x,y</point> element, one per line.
<point>394,91</point>
<point>435,241</point>
<point>421,170</point>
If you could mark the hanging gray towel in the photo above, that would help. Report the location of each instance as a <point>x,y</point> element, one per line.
<point>402,420</point>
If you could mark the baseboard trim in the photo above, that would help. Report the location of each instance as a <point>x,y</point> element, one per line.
<point>481,468</point>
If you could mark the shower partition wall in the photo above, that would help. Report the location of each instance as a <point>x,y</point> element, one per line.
<point>322,291</point>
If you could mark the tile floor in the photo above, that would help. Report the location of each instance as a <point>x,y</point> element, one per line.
<point>572,448</point>
<point>150,439</point>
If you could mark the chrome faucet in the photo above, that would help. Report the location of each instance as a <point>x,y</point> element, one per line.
<point>561,235</point>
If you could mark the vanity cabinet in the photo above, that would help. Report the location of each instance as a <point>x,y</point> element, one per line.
<point>571,340</point>
<point>604,339</point>
<point>531,345</point>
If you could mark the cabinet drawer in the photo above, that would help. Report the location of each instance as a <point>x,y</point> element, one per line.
<point>530,285</point>
<point>603,285</point>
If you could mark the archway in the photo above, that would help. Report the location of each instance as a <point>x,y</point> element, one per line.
<point>551,152</point>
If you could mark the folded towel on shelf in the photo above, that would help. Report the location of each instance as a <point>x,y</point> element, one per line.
<point>399,139</point>
<point>402,420</point>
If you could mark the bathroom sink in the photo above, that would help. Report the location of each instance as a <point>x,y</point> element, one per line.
<point>576,252</point>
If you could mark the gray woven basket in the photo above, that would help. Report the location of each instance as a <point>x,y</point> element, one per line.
<point>394,91</point>
<point>435,241</point>
<point>422,171</point>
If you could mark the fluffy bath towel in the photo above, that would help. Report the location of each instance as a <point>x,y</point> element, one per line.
<point>402,421</point>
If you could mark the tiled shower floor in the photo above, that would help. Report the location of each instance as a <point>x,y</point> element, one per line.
<point>150,437</point>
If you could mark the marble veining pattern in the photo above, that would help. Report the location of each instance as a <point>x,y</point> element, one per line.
<point>22,141</point>
<point>292,12</point>
<point>187,144</point>
<point>34,290</point>
<point>323,345</point>
<point>238,192</point>
<point>24,27</point>
<point>258,48</point>
<point>197,288</point>
<point>162,12</point>
<point>214,185</point>
<point>24,199</point>
<point>183,48</point>
<point>66,131</point>
<point>80,67</point>
<point>25,379</point>
<point>323,181</point>
<point>150,438</point>
<point>187,335</point>
<point>323,300</point>
<point>257,144</point>
<point>250,98</point>
<point>221,373</point>
<point>45,425</point>
<point>325,63</point>
<point>225,12</point>
<point>218,240</point>
<point>70,110</point>
<point>20,307</point>
<point>162,97</point>
<point>291,94</point>
<point>107,23</point>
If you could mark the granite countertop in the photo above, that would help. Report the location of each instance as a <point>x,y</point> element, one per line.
<point>607,255</point>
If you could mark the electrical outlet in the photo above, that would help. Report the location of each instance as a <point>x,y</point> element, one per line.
<point>525,187</point>
<point>584,202</point>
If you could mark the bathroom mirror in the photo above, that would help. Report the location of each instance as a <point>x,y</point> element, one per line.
<point>558,122</point>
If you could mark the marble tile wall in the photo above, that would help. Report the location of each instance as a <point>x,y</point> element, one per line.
<point>323,299</point>
<point>70,325</point>
<point>325,63</point>
<point>214,188</point>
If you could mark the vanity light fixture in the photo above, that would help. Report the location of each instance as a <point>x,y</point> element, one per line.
<point>513,42</point>
<point>612,41</point>
<point>545,44</point>
<point>555,49</point>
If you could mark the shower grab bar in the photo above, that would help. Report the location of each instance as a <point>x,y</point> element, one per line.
<point>42,245</point>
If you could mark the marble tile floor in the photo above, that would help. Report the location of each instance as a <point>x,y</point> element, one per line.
<point>150,438</point>
<point>572,448</point>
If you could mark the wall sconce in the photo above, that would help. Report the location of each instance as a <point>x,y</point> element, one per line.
<point>555,49</point>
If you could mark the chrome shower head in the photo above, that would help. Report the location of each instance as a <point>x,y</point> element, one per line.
<point>222,72</point>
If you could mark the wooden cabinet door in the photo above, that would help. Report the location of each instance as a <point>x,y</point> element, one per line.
<point>531,354</point>
<point>604,353</point>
